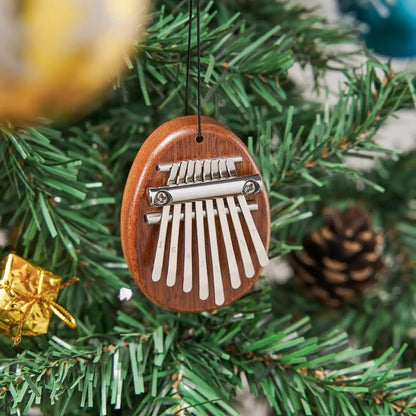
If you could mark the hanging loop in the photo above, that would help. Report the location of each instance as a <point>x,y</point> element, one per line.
<point>199,138</point>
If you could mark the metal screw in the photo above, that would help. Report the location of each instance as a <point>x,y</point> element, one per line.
<point>250,187</point>
<point>161,198</point>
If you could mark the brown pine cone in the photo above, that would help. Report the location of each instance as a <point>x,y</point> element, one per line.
<point>342,259</point>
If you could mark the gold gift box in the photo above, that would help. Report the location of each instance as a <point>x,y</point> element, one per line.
<point>27,298</point>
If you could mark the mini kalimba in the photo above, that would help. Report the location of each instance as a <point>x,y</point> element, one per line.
<point>195,218</point>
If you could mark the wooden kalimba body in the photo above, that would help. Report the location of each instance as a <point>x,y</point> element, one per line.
<point>195,219</point>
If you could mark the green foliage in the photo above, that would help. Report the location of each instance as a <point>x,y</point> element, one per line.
<point>165,363</point>
<point>387,316</point>
<point>61,192</point>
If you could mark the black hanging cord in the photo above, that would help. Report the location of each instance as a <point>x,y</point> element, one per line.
<point>198,43</point>
<point>188,59</point>
<point>199,138</point>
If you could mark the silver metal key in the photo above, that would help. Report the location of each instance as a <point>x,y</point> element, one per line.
<point>187,260</point>
<point>200,232</point>
<point>161,241</point>
<point>213,242</point>
<point>254,234</point>
<point>221,167</point>
<point>174,237</point>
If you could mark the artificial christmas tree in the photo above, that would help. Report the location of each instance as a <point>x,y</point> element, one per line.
<point>61,195</point>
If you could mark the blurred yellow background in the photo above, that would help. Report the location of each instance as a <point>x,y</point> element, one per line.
<point>56,56</point>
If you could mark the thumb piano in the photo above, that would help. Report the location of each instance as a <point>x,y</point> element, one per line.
<point>195,223</point>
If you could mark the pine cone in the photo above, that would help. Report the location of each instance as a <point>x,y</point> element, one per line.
<point>341,260</point>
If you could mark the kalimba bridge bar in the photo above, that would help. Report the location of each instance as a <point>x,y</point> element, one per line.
<point>198,194</point>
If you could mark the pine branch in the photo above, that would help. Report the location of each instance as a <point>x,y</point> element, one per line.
<point>297,164</point>
<point>317,150</point>
<point>317,43</point>
<point>245,58</point>
<point>169,363</point>
<point>386,317</point>
<point>54,194</point>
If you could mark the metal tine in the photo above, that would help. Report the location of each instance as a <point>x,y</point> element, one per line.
<point>255,236</point>
<point>219,169</point>
<point>174,237</point>
<point>242,243</point>
<point>213,241</point>
<point>161,241</point>
<point>187,260</point>
<point>200,232</point>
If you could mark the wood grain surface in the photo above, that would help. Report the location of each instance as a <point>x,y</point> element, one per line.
<point>175,141</point>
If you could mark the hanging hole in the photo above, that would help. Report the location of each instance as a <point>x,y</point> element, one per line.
<point>199,139</point>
